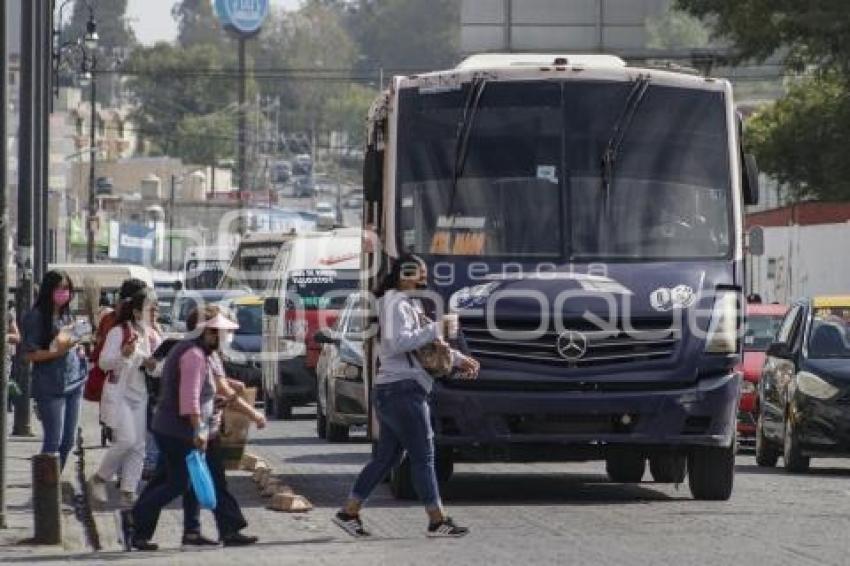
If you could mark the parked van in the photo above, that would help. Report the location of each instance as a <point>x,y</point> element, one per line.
<point>315,274</point>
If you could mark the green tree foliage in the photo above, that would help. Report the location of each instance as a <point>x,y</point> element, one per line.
<point>811,32</point>
<point>112,26</point>
<point>207,139</point>
<point>171,84</point>
<point>801,139</point>
<point>406,34</point>
<point>197,24</point>
<point>675,29</point>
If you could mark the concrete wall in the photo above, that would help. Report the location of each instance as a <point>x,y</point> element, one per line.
<point>801,261</point>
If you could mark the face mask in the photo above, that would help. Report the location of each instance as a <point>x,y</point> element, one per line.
<point>61,297</point>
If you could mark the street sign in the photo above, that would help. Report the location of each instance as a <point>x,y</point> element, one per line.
<point>756,241</point>
<point>245,17</point>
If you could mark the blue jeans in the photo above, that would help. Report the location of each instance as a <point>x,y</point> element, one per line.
<point>405,425</point>
<point>171,480</point>
<point>59,416</point>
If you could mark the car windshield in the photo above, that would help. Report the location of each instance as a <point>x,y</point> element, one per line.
<point>829,336</point>
<point>531,185</point>
<point>313,289</point>
<point>250,319</point>
<point>761,330</point>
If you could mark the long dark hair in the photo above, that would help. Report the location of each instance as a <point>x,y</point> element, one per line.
<point>44,301</point>
<point>392,279</point>
<point>134,303</point>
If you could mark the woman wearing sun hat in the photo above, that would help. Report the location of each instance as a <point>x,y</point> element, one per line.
<point>185,421</point>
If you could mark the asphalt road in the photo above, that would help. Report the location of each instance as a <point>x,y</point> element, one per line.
<point>523,514</point>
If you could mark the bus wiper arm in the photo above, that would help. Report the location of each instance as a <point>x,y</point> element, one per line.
<point>464,131</point>
<point>621,126</point>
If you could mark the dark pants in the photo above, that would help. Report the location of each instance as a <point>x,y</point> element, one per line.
<point>171,480</point>
<point>405,426</point>
<point>59,417</point>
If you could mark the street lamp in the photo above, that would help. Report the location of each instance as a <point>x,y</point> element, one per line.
<point>87,48</point>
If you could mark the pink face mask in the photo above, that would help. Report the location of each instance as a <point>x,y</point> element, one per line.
<point>61,297</point>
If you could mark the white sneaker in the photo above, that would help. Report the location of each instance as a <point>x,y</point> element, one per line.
<point>97,489</point>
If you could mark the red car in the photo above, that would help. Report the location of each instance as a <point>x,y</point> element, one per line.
<point>762,323</point>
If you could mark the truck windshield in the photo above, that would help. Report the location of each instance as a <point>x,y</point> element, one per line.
<point>532,181</point>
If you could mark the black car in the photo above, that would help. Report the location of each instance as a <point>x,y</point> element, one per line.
<point>804,392</point>
<point>341,393</point>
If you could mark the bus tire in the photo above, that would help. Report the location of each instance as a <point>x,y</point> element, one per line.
<point>668,468</point>
<point>711,472</point>
<point>625,466</point>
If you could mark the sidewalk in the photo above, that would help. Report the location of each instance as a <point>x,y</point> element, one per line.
<point>19,508</point>
<point>273,528</point>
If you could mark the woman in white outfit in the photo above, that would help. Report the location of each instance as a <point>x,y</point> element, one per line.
<point>128,348</point>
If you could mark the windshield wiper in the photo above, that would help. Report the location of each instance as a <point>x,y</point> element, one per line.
<point>615,143</point>
<point>464,131</point>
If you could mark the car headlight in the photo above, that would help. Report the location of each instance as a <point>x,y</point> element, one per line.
<point>723,330</point>
<point>471,297</point>
<point>748,387</point>
<point>813,386</point>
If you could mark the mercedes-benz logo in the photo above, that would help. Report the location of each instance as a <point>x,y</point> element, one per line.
<point>571,345</point>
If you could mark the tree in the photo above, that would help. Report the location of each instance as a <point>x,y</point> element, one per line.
<point>170,84</point>
<point>813,32</point>
<point>676,29</point>
<point>208,139</point>
<point>800,139</point>
<point>197,24</point>
<point>112,29</point>
<point>406,34</point>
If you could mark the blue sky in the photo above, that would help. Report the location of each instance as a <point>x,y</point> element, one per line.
<point>151,19</point>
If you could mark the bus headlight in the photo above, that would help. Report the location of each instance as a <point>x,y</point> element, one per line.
<point>813,386</point>
<point>723,329</point>
<point>471,297</point>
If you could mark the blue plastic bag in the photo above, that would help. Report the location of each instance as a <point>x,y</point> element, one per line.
<point>202,483</point>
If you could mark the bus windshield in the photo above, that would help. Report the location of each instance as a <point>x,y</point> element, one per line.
<point>531,185</point>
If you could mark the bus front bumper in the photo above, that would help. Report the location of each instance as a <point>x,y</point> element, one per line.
<point>700,415</point>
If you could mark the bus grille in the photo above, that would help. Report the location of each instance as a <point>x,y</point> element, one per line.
<point>578,344</point>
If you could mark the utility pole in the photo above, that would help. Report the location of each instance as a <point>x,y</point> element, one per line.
<point>46,105</point>
<point>4,263</point>
<point>171,225</point>
<point>92,213</point>
<point>241,165</point>
<point>22,426</point>
<point>37,141</point>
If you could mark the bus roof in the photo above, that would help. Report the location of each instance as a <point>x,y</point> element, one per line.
<point>530,67</point>
<point>507,60</point>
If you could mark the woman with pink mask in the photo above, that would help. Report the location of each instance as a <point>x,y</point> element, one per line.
<point>58,364</point>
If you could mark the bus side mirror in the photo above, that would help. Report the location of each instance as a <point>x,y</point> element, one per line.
<point>373,174</point>
<point>751,179</point>
<point>271,306</point>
